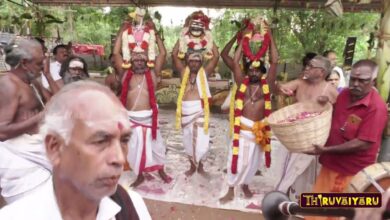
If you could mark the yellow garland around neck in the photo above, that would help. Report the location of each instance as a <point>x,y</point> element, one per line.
<point>183,85</point>
<point>231,108</point>
<point>239,103</point>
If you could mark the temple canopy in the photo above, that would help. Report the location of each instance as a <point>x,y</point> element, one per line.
<point>348,5</point>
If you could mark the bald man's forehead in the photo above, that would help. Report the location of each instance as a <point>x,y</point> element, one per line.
<point>363,72</point>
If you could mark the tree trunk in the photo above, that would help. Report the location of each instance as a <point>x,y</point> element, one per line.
<point>383,80</point>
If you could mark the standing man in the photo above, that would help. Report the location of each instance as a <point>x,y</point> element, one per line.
<point>300,169</point>
<point>23,164</point>
<point>60,53</point>
<point>251,135</point>
<point>193,112</point>
<point>87,150</point>
<point>359,118</point>
<point>146,146</point>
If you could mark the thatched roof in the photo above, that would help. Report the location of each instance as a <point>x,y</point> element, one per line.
<point>348,5</point>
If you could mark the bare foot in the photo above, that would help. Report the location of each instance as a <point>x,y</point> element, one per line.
<point>247,192</point>
<point>192,169</point>
<point>228,197</point>
<point>164,176</point>
<point>140,179</point>
<point>200,169</point>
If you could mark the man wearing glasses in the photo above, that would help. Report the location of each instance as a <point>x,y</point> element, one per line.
<point>301,169</point>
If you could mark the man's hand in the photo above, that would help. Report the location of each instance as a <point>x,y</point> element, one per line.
<point>317,150</point>
<point>287,91</point>
<point>125,25</point>
<point>150,24</point>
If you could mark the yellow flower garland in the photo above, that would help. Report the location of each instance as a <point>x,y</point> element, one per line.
<point>183,85</point>
<point>231,109</point>
<point>261,130</point>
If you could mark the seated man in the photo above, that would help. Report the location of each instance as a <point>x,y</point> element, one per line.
<point>74,69</point>
<point>87,150</point>
<point>23,164</point>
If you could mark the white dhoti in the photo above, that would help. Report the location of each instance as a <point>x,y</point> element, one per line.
<point>145,154</point>
<point>250,157</point>
<point>23,166</point>
<point>299,174</point>
<point>196,142</point>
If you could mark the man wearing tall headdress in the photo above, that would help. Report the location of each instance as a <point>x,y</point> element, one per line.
<point>138,66</point>
<point>251,133</point>
<point>193,105</point>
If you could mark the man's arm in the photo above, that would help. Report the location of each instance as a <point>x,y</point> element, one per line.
<point>288,88</point>
<point>225,53</point>
<point>54,86</point>
<point>45,93</point>
<point>209,69</point>
<point>237,72</point>
<point>116,53</point>
<point>346,147</point>
<point>8,109</point>
<point>160,59</point>
<point>177,63</point>
<point>273,54</point>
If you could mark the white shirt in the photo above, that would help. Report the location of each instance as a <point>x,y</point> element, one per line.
<point>42,205</point>
<point>55,68</point>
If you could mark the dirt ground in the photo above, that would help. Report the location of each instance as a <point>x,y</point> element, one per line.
<point>172,210</point>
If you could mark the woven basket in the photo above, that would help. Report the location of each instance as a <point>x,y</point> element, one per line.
<point>300,135</point>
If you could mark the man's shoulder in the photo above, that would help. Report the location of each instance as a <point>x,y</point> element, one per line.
<point>24,208</point>
<point>129,199</point>
<point>377,102</point>
<point>8,81</point>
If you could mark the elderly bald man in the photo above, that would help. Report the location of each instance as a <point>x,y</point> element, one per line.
<point>87,150</point>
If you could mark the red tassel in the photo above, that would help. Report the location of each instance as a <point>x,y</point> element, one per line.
<point>237,129</point>
<point>267,159</point>
<point>234,164</point>
<point>153,103</point>
<point>125,87</point>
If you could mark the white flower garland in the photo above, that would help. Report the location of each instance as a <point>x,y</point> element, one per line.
<point>186,39</point>
<point>148,38</point>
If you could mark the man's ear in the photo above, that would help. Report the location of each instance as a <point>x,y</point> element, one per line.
<point>23,62</point>
<point>54,144</point>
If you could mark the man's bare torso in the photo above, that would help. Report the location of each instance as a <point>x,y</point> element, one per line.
<point>138,94</point>
<point>310,92</point>
<point>27,102</point>
<point>254,107</point>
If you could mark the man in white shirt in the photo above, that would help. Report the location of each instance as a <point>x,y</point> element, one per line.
<point>60,53</point>
<point>86,142</point>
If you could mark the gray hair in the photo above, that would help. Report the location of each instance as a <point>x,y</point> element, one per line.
<point>23,49</point>
<point>60,112</point>
<point>369,63</point>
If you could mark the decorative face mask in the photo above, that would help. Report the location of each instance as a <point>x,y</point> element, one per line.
<point>197,28</point>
